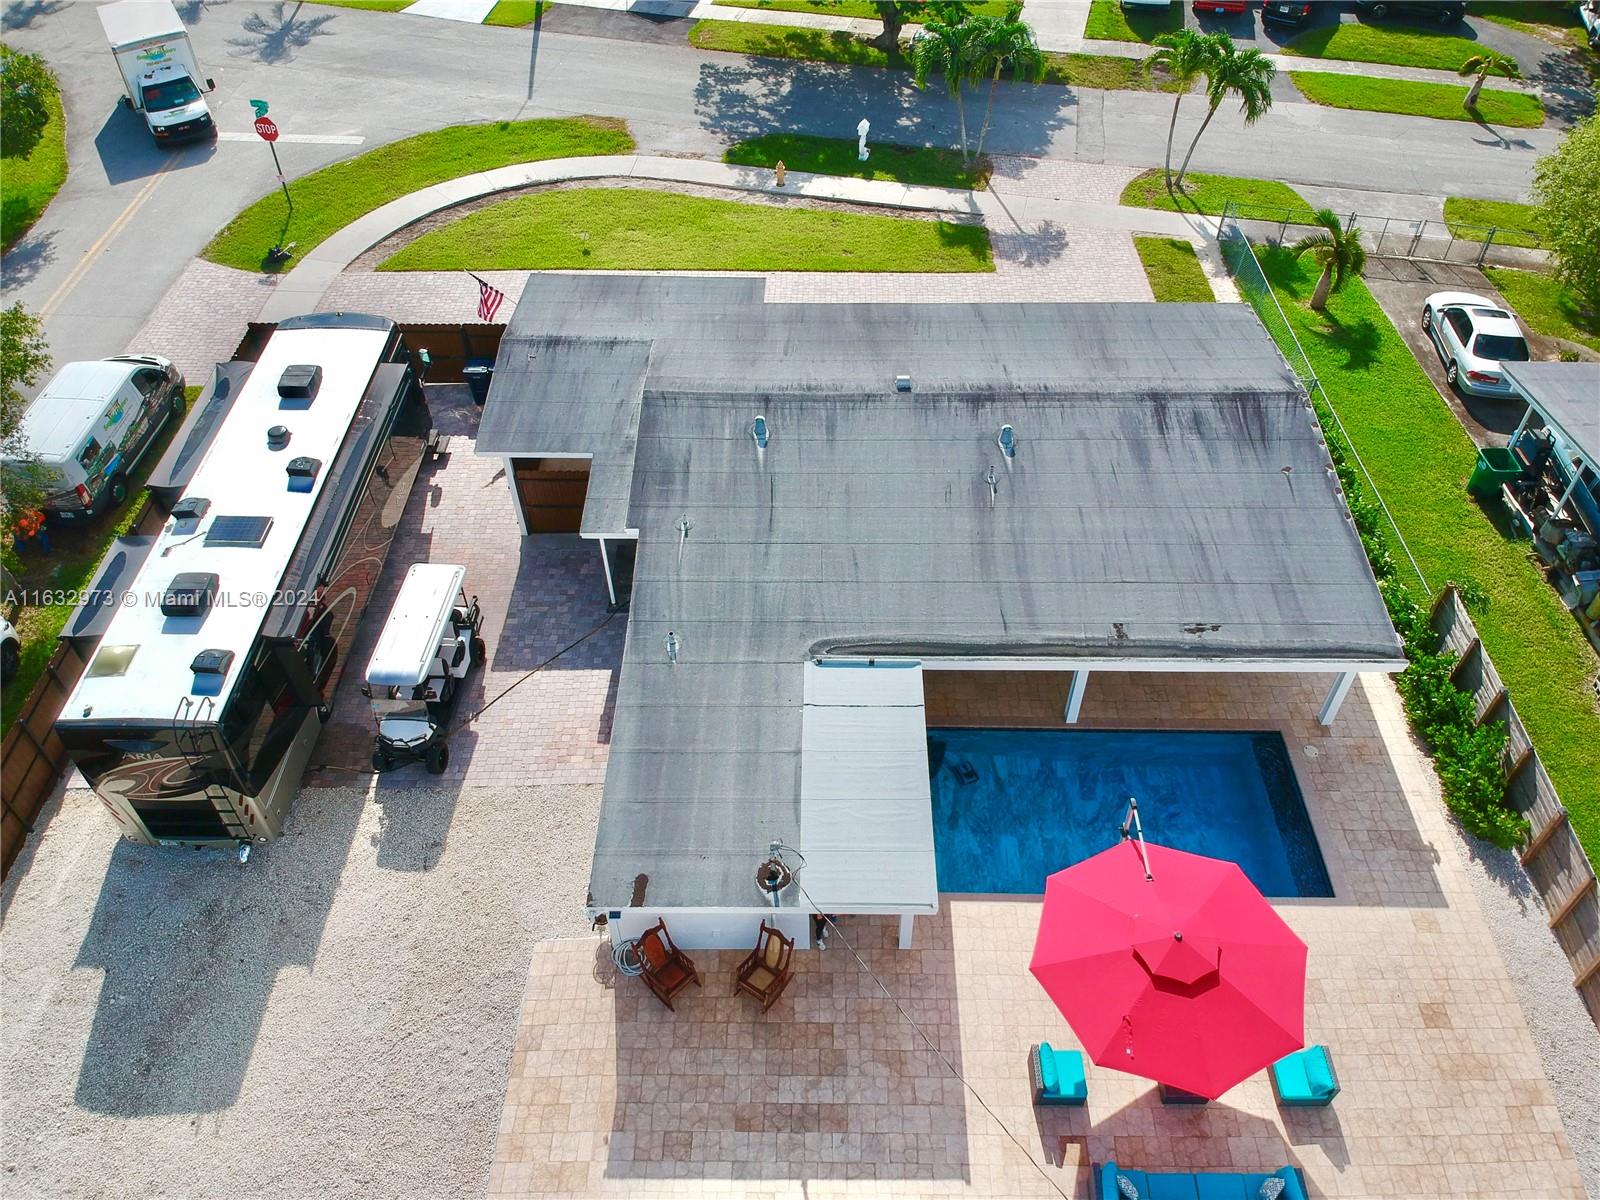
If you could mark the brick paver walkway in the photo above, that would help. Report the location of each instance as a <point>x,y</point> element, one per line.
<point>831,1095</point>
<point>538,595</point>
<point>202,318</point>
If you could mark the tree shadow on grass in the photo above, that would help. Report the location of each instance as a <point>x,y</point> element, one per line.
<point>744,98</point>
<point>1360,342</point>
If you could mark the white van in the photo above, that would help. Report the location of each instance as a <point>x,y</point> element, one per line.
<point>91,424</point>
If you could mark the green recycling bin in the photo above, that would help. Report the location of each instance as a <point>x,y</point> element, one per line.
<point>1496,466</point>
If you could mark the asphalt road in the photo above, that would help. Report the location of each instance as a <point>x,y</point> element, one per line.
<point>131,214</point>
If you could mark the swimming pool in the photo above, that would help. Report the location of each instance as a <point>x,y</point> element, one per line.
<point>1011,806</point>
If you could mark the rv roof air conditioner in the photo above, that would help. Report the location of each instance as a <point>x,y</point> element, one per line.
<point>190,594</point>
<point>298,385</point>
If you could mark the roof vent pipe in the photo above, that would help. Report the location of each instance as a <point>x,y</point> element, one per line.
<point>1007,441</point>
<point>994,484</point>
<point>758,430</point>
<point>277,437</point>
<point>672,648</point>
<point>902,383</point>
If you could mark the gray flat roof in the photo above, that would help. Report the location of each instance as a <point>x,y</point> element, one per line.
<point>1568,395</point>
<point>1169,501</point>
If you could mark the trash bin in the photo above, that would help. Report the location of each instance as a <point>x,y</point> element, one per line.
<point>478,372</point>
<point>1496,466</point>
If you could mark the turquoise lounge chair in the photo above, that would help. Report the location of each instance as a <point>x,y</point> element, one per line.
<point>1057,1075</point>
<point>1305,1079</point>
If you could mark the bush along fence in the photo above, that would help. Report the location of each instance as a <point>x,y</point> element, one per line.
<point>1488,771</point>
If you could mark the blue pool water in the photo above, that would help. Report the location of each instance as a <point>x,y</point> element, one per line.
<point>1011,806</point>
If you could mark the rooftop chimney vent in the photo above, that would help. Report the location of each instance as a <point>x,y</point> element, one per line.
<point>1007,441</point>
<point>189,594</point>
<point>298,385</point>
<point>902,383</point>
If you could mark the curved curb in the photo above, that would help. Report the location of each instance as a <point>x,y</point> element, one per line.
<point>301,289</point>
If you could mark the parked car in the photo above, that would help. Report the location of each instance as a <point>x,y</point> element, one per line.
<point>10,651</point>
<point>1589,14</point>
<point>1473,336</point>
<point>1446,12</point>
<point>89,426</point>
<point>1221,6</point>
<point>1278,12</point>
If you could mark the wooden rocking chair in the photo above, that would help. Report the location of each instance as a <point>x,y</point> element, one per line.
<point>765,971</point>
<point>667,970</point>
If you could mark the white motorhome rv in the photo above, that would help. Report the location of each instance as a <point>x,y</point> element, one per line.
<point>214,647</point>
<point>160,74</point>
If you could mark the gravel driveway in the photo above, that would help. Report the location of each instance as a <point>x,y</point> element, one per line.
<point>334,1019</point>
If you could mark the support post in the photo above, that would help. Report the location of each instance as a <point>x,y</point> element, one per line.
<point>1080,680</point>
<point>1336,694</point>
<point>605,561</point>
<point>1577,478</point>
<point>516,497</point>
<point>906,920</point>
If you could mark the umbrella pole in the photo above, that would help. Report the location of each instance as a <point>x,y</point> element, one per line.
<point>1132,826</point>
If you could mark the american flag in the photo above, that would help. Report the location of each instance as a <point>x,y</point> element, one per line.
<point>490,299</point>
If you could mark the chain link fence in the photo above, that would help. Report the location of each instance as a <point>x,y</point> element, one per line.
<point>1397,237</point>
<point>1251,281</point>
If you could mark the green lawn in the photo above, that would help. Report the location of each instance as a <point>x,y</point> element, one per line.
<point>1402,45</point>
<point>1110,22</point>
<point>1545,306</point>
<point>634,229</point>
<point>516,12</point>
<point>27,185</point>
<point>1549,19</point>
<point>1420,456</point>
<point>1514,224</point>
<point>1173,270</point>
<point>327,200</point>
<point>74,556</point>
<point>1107,73</point>
<point>864,9</point>
<point>837,156</point>
<point>781,41</point>
<point>1208,193</point>
<point>1441,101</point>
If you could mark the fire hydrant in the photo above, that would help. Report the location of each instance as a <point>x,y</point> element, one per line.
<point>781,171</point>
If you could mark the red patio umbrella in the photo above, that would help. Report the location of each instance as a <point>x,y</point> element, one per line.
<point>1181,972</point>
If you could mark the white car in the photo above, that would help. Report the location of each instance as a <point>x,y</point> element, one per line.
<point>1473,336</point>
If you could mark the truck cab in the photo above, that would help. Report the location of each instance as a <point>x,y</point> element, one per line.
<point>173,105</point>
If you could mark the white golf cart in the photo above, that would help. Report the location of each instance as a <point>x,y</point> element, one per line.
<point>430,642</point>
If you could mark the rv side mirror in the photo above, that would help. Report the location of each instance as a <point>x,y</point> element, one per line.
<point>211,85</point>
<point>127,102</point>
<point>366,691</point>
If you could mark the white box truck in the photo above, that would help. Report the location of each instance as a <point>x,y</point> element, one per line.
<point>160,74</point>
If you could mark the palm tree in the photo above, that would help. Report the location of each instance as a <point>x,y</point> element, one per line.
<point>1484,64</point>
<point>1245,73</point>
<point>1338,249</point>
<point>1005,43</point>
<point>1184,55</point>
<point>949,48</point>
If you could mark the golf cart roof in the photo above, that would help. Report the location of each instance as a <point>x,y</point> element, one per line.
<point>410,639</point>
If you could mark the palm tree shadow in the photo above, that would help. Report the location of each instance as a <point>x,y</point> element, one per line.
<point>1359,341</point>
<point>1496,138</point>
<point>274,37</point>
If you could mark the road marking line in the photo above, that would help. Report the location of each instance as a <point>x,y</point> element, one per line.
<point>92,254</point>
<point>306,139</point>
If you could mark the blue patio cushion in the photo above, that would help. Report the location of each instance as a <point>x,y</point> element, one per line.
<point>1170,1187</point>
<point>1061,1072</point>
<point>1223,1187</point>
<point>1291,1181</point>
<point>1047,1068</point>
<point>1319,1073</point>
<point>1108,1181</point>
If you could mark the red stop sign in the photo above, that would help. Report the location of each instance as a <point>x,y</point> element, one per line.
<point>267,128</point>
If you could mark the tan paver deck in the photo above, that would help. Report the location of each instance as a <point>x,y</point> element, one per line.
<point>833,1094</point>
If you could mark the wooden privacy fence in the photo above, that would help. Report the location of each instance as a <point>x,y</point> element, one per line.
<point>1553,857</point>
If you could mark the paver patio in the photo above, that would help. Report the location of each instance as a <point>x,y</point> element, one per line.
<point>833,1094</point>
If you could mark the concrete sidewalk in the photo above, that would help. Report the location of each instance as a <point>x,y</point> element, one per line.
<point>1024,196</point>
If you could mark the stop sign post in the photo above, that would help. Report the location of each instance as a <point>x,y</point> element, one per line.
<point>267,130</point>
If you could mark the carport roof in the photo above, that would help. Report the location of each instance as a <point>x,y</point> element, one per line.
<point>1568,395</point>
<point>1170,501</point>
